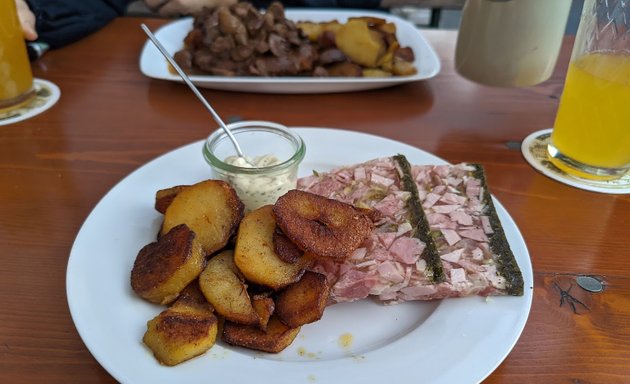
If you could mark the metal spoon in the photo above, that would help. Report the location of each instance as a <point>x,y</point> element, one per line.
<point>186,79</point>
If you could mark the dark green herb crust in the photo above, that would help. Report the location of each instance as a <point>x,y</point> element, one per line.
<point>506,263</point>
<point>419,221</point>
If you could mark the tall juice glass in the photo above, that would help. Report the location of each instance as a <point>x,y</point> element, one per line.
<point>16,79</point>
<point>591,134</point>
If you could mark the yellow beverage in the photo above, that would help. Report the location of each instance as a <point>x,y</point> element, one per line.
<point>16,79</point>
<point>593,121</point>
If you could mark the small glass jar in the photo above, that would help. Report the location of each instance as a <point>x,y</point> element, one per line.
<point>259,185</point>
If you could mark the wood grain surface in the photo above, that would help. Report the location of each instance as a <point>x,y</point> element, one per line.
<point>111,119</point>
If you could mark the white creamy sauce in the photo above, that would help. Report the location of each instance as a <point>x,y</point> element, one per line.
<point>259,189</point>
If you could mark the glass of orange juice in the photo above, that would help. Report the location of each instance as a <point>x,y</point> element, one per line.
<point>591,134</point>
<point>16,79</point>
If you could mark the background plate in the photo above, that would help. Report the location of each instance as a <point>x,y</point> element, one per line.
<point>450,341</point>
<point>154,65</point>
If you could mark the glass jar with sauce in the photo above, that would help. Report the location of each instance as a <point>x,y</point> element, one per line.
<point>273,154</point>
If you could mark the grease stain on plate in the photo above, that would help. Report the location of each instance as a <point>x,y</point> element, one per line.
<point>345,340</point>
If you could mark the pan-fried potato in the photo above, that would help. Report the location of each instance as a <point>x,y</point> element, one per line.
<point>402,67</point>
<point>303,302</point>
<point>284,247</point>
<point>318,225</point>
<point>191,299</point>
<point>185,330</point>
<point>374,72</point>
<point>164,197</point>
<point>277,337</point>
<point>359,43</point>
<point>264,307</point>
<point>254,254</point>
<point>163,268</point>
<point>314,30</point>
<point>344,69</point>
<point>387,28</point>
<point>226,291</point>
<point>386,61</point>
<point>370,43</point>
<point>210,208</point>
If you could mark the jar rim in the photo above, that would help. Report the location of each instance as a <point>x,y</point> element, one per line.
<point>249,126</point>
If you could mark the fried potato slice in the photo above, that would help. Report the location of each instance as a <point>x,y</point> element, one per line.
<point>164,197</point>
<point>303,302</point>
<point>185,330</point>
<point>254,253</point>
<point>322,226</point>
<point>284,248</point>
<point>210,208</point>
<point>191,299</point>
<point>222,286</point>
<point>163,268</point>
<point>277,337</point>
<point>264,307</point>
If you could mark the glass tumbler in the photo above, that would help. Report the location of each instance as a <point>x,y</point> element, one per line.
<point>273,152</point>
<point>510,43</point>
<point>16,79</point>
<point>591,134</point>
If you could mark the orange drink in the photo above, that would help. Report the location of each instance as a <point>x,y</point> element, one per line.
<point>16,79</point>
<point>591,135</point>
<point>593,121</point>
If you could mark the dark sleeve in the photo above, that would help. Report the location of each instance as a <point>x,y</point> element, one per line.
<point>61,22</point>
<point>358,4</point>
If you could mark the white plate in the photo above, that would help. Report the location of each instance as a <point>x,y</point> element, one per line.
<point>153,64</point>
<point>449,341</point>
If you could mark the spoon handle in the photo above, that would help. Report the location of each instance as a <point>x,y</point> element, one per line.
<point>186,79</point>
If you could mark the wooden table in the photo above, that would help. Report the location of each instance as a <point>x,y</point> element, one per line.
<point>111,119</point>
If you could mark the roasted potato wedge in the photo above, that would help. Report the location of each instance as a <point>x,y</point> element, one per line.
<point>362,45</point>
<point>387,28</point>
<point>264,307</point>
<point>303,302</point>
<point>164,197</point>
<point>185,330</point>
<point>314,30</point>
<point>165,267</point>
<point>370,43</point>
<point>374,72</point>
<point>222,286</point>
<point>210,208</point>
<point>254,253</point>
<point>277,337</point>
<point>344,69</point>
<point>401,67</point>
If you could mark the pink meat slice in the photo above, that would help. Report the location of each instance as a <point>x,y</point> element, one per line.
<point>388,266</point>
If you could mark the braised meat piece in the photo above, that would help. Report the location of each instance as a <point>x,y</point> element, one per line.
<point>241,41</point>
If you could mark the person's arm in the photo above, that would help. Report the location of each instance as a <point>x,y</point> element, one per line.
<point>183,7</point>
<point>61,22</point>
<point>357,4</point>
<point>27,19</point>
